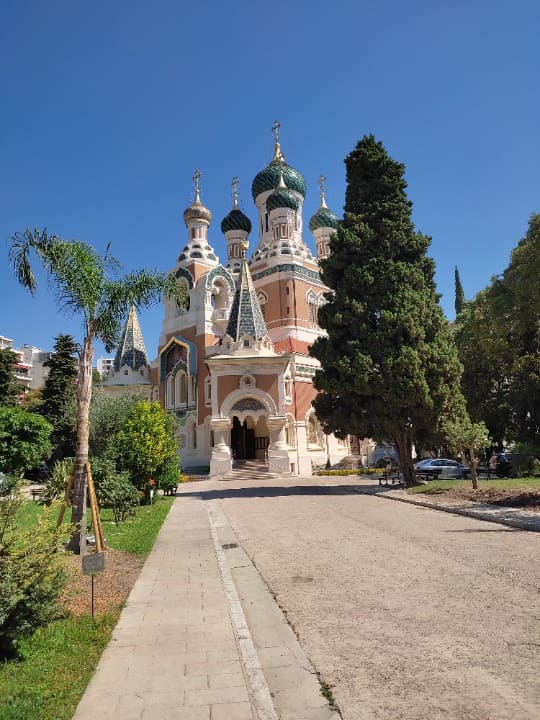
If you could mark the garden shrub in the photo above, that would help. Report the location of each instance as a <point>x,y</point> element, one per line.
<point>55,487</point>
<point>24,440</point>
<point>168,476</point>
<point>114,489</point>
<point>32,574</point>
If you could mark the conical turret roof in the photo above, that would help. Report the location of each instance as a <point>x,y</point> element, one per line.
<point>246,316</point>
<point>131,351</point>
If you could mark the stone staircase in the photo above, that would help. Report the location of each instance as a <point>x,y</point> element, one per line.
<point>246,470</point>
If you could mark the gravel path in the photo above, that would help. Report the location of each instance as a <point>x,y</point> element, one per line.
<point>407,612</point>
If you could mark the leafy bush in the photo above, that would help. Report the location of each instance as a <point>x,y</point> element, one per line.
<point>114,489</point>
<point>55,487</point>
<point>107,416</point>
<point>24,439</point>
<point>32,572</point>
<point>525,459</point>
<point>168,476</point>
<point>146,442</point>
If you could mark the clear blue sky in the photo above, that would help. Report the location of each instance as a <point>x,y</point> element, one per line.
<point>107,108</point>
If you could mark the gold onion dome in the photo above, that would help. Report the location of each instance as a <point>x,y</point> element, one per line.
<point>197,211</point>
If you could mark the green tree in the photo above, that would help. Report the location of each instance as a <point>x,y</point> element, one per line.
<point>459,300</point>
<point>465,437</point>
<point>487,358</point>
<point>86,284</point>
<point>59,394</point>
<point>146,442</point>
<point>24,440</point>
<point>107,417</point>
<point>9,387</point>
<point>389,364</point>
<point>498,336</point>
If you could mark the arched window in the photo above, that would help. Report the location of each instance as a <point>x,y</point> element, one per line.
<point>315,433</point>
<point>170,391</point>
<point>183,388</point>
<point>290,432</point>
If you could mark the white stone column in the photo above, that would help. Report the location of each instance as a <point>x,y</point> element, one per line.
<point>278,457</point>
<point>220,456</point>
<point>303,454</point>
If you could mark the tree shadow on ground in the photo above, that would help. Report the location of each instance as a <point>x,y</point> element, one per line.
<point>269,491</point>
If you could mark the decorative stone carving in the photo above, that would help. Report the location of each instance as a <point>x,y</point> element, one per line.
<point>247,404</point>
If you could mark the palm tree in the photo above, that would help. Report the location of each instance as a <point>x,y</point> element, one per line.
<point>85,283</point>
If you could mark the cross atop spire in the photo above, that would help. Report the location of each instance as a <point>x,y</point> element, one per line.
<point>197,185</point>
<point>321,182</point>
<point>278,155</point>
<point>234,185</point>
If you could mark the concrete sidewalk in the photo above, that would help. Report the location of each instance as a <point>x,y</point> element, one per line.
<point>201,638</point>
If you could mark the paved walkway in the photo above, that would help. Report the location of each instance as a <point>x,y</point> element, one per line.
<point>183,648</point>
<point>201,637</point>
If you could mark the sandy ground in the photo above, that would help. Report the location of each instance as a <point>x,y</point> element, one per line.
<point>407,612</point>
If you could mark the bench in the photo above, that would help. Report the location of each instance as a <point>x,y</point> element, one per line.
<point>390,476</point>
<point>36,493</point>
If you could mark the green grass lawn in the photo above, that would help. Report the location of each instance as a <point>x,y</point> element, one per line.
<point>48,679</point>
<point>138,534</point>
<point>435,487</point>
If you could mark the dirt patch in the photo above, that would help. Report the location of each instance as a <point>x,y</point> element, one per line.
<point>111,587</point>
<point>529,498</point>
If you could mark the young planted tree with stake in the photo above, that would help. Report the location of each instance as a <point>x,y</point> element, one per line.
<point>389,364</point>
<point>86,284</point>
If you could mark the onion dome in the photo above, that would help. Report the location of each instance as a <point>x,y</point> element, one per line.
<point>197,212</point>
<point>268,178</point>
<point>236,220</point>
<point>324,217</point>
<point>282,198</point>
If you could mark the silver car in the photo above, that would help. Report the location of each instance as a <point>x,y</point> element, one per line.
<point>442,467</point>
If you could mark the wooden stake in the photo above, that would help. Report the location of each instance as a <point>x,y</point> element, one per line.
<point>94,507</point>
<point>65,501</point>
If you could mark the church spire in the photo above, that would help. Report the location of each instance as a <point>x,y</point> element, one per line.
<point>131,351</point>
<point>246,321</point>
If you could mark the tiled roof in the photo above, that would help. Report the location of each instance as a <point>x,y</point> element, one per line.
<point>246,317</point>
<point>131,351</point>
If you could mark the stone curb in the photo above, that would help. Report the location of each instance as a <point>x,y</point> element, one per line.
<point>488,513</point>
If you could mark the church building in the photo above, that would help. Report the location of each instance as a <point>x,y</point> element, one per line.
<point>234,366</point>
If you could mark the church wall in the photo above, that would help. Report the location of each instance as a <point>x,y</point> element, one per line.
<point>303,394</point>
<point>226,385</point>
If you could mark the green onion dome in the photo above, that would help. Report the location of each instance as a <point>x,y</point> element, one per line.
<point>324,217</point>
<point>282,198</point>
<point>236,220</point>
<point>268,179</point>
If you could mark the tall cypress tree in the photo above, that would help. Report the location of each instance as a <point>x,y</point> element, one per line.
<point>59,392</point>
<point>459,300</point>
<point>9,387</point>
<point>389,364</point>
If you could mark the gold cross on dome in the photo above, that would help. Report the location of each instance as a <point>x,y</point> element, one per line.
<point>197,183</point>
<point>234,185</point>
<point>275,130</point>
<point>321,182</point>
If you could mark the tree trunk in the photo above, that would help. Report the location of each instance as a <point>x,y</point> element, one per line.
<point>403,443</point>
<point>474,466</point>
<point>84,394</point>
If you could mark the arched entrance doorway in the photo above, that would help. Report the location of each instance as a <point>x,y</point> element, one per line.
<point>242,440</point>
<point>249,437</point>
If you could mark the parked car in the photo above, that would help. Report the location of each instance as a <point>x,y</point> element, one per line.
<point>442,467</point>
